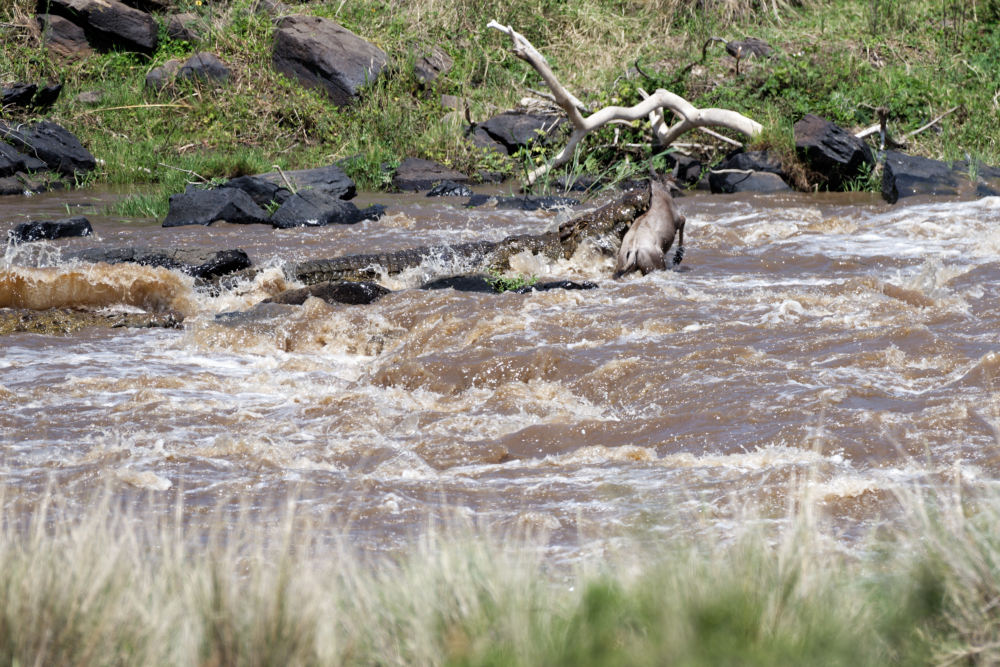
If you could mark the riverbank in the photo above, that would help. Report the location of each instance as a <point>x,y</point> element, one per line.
<point>840,60</point>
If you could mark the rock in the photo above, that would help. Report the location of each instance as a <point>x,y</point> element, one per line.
<point>482,139</point>
<point>13,161</point>
<point>39,182</point>
<point>415,174</point>
<point>555,284</point>
<point>832,152</point>
<point>184,27</point>
<point>9,185</point>
<point>521,203</point>
<point>204,264</point>
<point>37,230</point>
<point>17,94</point>
<point>108,24</point>
<point>753,161</point>
<point>159,6</point>
<point>47,96</point>
<point>751,47</point>
<point>450,189</point>
<point>160,77</point>
<point>262,191</point>
<point>63,37</point>
<point>731,181</point>
<point>311,208</point>
<point>51,143</point>
<point>329,180</point>
<point>325,55</point>
<point>351,293</point>
<point>203,207</point>
<point>908,175</point>
<point>68,321</point>
<point>688,169</point>
<point>90,97</point>
<point>431,65</point>
<point>516,130</point>
<point>204,66</point>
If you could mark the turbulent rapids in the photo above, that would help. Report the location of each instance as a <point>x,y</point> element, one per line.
<point>821,335</point>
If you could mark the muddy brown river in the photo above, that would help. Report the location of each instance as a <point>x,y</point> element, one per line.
<point>824,336</point>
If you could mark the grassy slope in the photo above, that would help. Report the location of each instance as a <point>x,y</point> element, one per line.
<point>836,58</point>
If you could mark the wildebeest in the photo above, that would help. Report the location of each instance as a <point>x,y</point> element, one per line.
<point>645,244</point>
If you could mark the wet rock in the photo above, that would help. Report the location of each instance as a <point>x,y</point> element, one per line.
<point>204,66</point>
<point>830,151</point>
<point>311,208</point>
<point>516,130</point>
<point>205,264</point>
<point>909,175</point>
<point>486,284</point>
<point>38,230</point>
<point>10,185</point>
<point>108,24</point>
<point>51,143</point>
<point>351,293</point>
<point>331,181</point>
<point>63,37</point>
<point>160,77</point>
<point>688,169</point>
<point>482,140</point>
<point>735,180</point>
<point>450,189</point>
<point>415,174</point>
<point>67,321</point>
<point>47,96</point>
<point>520,203</point>
<point>17,94</point>
<point>203,207</point>
<point>184,27</point>
<point>323,54</point>
<point>13,161</point>
<point>39,182</point>
<point>262,191</point>
<point>431,65</point>
<point>555,284</point>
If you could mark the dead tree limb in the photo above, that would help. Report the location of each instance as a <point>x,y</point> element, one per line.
<point>690,117</point>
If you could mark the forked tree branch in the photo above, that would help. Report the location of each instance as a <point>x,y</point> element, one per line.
<point>652,107</point>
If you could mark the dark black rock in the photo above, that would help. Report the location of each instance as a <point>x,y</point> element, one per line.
<point>204,264</point>
<point>415,174</point>
<point>204,66</point>
<point>753,161</point>
<point>47,96</point>
<point>515,129</point>
<point>688,169</point>
<point>482,140</point>
<point>10,185</point>
<point>51,143</point>
<point>63,36</point>
<point>329,180</point>
<point>450,189</point>
<point>108,24</point>
<point>17,94</point>
<point>908,175</point>
<point>203,207</point>
<point>521,203</point>
<point>323,54</point>
<point>479,282</point>
<point>40,182</point>
<point>261,190</point>
<point>728,182</point>
<point>311,208</point>
<point>832,152</point>
<point>351,293</point>
<point>430,65</point>
<point>38,230</point>
<point>11,160</point>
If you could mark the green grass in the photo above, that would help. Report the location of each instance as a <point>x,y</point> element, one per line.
<point>103,587</point>
<point>836,58</point>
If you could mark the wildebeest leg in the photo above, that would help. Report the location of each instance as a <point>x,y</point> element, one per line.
<point>679,253</point>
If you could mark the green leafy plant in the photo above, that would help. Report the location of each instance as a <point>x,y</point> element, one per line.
<point>502,283</point>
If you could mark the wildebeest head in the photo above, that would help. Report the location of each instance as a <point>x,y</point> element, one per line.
<point>646,242</point>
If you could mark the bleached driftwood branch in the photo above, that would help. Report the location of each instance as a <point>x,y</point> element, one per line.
<point>652,107</point>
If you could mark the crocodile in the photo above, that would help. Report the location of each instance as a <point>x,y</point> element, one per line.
<point>603,226</point>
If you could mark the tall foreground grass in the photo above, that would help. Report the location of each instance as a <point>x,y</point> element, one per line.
<point>104,588</point>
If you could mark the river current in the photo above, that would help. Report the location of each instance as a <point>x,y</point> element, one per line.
<point>828,337</point>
